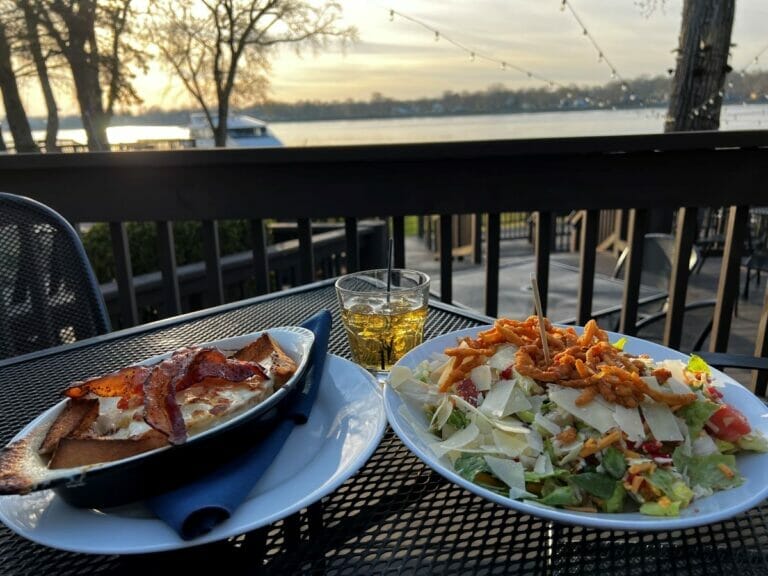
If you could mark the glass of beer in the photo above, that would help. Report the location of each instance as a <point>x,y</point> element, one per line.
<point>384,318</point>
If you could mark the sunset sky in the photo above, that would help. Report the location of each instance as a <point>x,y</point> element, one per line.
<point>401,60</point>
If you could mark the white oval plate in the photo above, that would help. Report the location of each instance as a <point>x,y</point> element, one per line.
<point>719,506</point>
<point>345,426</point>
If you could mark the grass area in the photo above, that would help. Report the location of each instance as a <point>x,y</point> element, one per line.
<point>411,225</point>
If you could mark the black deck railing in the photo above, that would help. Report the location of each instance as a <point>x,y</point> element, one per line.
<point>635,177</point>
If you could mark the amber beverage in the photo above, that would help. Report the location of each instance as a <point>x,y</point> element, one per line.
<point>382,326</point>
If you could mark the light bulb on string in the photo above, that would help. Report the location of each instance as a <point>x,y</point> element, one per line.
<point>471,56</point>
<point>632,97</point>
<point>437,36</point>
<point>613,74</point>
<point>624,87</point>
<point>391,15</point>
<point>504,66</point>
<point>584,32</point>
<point>562,5</point>
<point>600,57</point>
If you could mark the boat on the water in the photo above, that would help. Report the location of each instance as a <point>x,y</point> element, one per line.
<point>243,131</point>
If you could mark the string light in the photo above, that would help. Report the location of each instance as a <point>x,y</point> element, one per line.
<point>601,57</point>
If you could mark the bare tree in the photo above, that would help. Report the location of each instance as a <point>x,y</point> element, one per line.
<point>34,49</point>
<point>94,38</point>
<point>14,108</point>
<point>220,49</point>
<point>702,65</point>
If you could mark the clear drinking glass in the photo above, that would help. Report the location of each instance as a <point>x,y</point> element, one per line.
<point>382,326</point>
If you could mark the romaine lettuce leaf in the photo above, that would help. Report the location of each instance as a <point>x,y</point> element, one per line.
<point>600,485</point>
<point>696,415</point>
<point>697,364</point>
<point>615,503</point>
<point>656,509</point>
<point>705,471</point>
<point>673,486</point>
<point>614,462</point>
<point>754,441</point>
<point>561,496</point>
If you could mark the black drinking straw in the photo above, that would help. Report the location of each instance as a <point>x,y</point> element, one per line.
<point>389,267</point>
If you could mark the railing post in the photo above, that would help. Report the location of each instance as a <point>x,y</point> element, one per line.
<point>730,270</point>
<point>588,243</point>
<point>760,379</point>
<point>353,244</point>
<point>493,233</point>
<point>120,248</point>
<point>477,238</point>
<point>542,249</point>
<point>306,252</point>
<point>446,259</point>
<point>167,248</point>
<point>260,256</point>
<point>678,285</point>
<point>398,234</point>
<point>638,224</point>
<point>212,256</point>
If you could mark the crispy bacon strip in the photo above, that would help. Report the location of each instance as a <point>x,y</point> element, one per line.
<point>183,369</point>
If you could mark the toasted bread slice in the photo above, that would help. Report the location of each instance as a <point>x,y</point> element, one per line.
<point>77,416</point>
<point>268,353</point>
<point>72,452</point>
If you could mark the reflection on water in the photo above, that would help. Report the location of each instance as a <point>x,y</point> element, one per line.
<point>451,128</point>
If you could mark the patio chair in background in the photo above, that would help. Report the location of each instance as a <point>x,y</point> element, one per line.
<point>48,292</point>
<point>758,364</point>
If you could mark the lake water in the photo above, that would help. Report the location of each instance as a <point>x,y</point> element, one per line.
<point>454,128</point>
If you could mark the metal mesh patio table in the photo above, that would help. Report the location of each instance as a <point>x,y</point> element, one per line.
<point>395,516</point>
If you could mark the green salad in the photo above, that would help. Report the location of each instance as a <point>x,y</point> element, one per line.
<point>586,428</point>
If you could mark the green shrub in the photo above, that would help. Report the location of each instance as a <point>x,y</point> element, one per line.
<point>234,236</point>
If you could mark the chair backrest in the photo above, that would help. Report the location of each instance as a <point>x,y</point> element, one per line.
<point>48,292</point>
<point>658,255</point>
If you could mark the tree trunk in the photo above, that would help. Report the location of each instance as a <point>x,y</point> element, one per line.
<point>14,109</point>
<point>702,65</point>
<point>220,132</point>
<point>88,91</point>
<point>52,123</point>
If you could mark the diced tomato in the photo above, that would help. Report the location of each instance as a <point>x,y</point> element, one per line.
<point>468,391</point>
<point>653,449</point>
<point>506,374</point>
<point>714,393</point>
<point>729,424</point>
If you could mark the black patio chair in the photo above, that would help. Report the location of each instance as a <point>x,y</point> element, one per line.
<point>48,292</point>
<point>721,360</point>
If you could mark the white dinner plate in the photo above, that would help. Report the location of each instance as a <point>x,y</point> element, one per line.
<point>344,428</point>
<point>721,505</point>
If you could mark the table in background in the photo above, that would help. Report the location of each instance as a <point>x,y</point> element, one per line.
<point>395,516</point>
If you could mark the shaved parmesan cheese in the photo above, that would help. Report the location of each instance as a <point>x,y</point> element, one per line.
<point>661,421</point>
<point>571,452</point>
<point>420,391</point>
<point>546,424</point>
<point>535,443</point>
<point>398,375</point>
<point>495,403</point>
<point>543,464</point>
<point>678,386</point>
<point>597,413</point>
<point>676,369</point>
<point>482,421</point>
<point>510,444</point>
<point>628,419</point>
<point>442,414</point>
<point>511,425</point>
<point>503,358</point>
<point>458,440</point>
<point>518,401</point>
<point>481,376</point>
<point>652,383</point>
<point>511,473</point>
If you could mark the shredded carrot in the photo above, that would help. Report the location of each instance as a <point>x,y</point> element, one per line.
<point>591,446</point>
<point>643,467</point>
<point>726,470</point>
<point>636,482</point>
